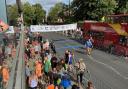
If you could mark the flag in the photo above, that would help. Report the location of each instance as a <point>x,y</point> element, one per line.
<point>3,26</point>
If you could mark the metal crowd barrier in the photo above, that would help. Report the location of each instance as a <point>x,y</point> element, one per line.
<point>17,76</point>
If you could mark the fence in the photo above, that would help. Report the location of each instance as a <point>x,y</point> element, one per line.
<point>7,41</point>
<point>17,75</point>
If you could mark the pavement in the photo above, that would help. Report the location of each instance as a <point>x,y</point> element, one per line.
<point>106,71</point>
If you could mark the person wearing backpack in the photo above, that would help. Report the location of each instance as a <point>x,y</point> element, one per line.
<point>81,67</point>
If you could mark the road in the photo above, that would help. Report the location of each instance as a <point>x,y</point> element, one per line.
<point>107,71</point>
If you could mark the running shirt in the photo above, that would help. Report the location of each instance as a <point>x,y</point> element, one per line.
<point>70,59</point>
<point>9,50</point>
<point>36,48</point>
<point>33,83</point>
<point>51,86</point>
<point>5,74</point>
<point>88,43</point>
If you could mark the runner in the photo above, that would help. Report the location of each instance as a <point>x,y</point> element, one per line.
<point>90,85</point>
<point>81,68</point>
<point>53,47</point>
<point>88,46</point>
<point>5,74</point>
<point>27,73</point>
<point>38,69</point>
<point>33,81</point>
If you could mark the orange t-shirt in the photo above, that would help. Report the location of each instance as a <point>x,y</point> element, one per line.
<point>38,69</point>
<point>51,87</point>
<point>5,74</point>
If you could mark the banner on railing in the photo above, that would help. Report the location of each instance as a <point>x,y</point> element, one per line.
<point>3,26</point>
<point>10,30</point>
<point>51,28</point>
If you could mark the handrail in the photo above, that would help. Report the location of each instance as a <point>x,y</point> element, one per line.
<point>12,73</point>
<point>20,76</point>
<point>17,77</point>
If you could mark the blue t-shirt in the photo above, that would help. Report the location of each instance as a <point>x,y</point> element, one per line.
<point>88,43</point>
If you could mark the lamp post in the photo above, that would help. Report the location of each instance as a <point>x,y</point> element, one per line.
<point>69,7</point>
<point>19,6</point>
<point>20,13</point>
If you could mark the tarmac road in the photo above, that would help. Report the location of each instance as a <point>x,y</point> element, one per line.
<point>107,71</point>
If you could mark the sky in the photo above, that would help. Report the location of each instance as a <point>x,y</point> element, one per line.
<point>47,4</point>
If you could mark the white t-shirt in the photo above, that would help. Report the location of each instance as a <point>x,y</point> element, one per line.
<point>9,50</point>
<point>36,48</point>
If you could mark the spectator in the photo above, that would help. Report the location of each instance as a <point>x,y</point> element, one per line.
<point>53,47</point>
<point>27,72</point>
<point>70,56</point>
<point>33,81</point>
<point>38,68</point>
<point>54,61</point>
<point>64,65</point>
<point>66,56</point>
<point>8,51</point>
<point>47,66</point>
<point>81,68</point>
<point>90,85</point>
<point>5,74</point>
<point>0,76</point>
<point>75,87</point>
<point>51,86</point>
<point>65,81</point>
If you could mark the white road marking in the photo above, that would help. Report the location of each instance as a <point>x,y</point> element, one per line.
<point>108,66</point>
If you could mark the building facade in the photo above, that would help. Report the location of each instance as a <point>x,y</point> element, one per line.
<point>3,11</point>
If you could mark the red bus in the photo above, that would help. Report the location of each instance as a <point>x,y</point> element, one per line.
<point>111,35</point>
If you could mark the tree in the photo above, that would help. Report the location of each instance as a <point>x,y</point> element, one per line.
<point>33,14</point>
<point>12,14</point>
<point>54,12</point>
<point>122,6</point>
<point>39,14</point>
<point>28,14</point>
<point>92,9</point>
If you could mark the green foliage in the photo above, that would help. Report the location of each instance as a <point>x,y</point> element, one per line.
<point>28,13</point>
<point>38,14</point>
<point>54,12</point>
<point>92,9</point>
<point>122,6</point>
<point>33,14</point>
<point>12,14</point>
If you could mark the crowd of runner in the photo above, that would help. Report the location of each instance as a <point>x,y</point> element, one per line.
<point>7,55</point>
<point>44,69</point>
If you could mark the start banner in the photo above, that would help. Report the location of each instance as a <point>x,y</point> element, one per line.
<point>51,28</point>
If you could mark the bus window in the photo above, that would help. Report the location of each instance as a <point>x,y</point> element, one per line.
<point>117,19</point>
<point>97,35</point>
